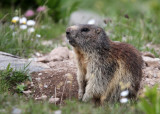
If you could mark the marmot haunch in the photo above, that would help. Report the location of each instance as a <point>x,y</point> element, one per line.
<point>105,68</point>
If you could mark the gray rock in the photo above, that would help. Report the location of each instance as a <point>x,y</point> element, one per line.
<point>58,112</point>
<point>18,63</point>
<point>16,111</point>
<point>57,54</point>
<point>83,17</point>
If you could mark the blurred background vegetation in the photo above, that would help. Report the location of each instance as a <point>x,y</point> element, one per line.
<point>133,21</point>
<point>61,9</point>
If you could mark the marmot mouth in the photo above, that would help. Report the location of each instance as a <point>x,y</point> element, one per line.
<point>72,42</point>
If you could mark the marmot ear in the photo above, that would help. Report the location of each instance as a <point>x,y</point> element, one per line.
<point>98,30</point>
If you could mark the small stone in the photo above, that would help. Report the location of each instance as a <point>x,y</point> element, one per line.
<point>58,112</point>
<point>43,97</point>
<point>69,76</point>
<point>148,54</point>
<point>58,54</point>
<point>155,75</point>
<point>53,100</point>
<point>68,82</point>
<point>123,100</point>
<point>124,93</point>
<point>38,54</point>
<point>27,92</point>
<point>45,86</point>
<point>16,111</point>
<point>39,74</point>
<point>38,79</point>
<point>154,62</point>
<point>32,85</point>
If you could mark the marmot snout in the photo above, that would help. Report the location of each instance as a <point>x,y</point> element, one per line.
<point>105,68</point>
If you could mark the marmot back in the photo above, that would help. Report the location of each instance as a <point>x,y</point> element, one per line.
<point>105,68</point>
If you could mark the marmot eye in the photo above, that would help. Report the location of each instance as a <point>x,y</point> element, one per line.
<point>84,30</point>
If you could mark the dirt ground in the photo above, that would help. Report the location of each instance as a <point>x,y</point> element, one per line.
<point>59,82</point>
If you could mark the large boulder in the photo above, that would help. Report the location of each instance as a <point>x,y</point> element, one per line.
<point>19,63</point>
<point>86,17</point>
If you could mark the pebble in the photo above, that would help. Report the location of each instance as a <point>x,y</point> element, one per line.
<point>39,74</point>
<point>124,93</point>
<point>123,100</point>
<point>53,100</point>
<point>32,85</point>
<point>58,112</point>
<point>27,92</point>
<point>16,111</point>
<point>45,86</point>
<point>68,82</point>
<point>38,79</point>
<point>43,97</point>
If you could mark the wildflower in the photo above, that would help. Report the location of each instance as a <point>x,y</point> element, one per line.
<point>23,27</point>
<point>41,8</point>
<point>91,22</point>
<point>29,13</point>
<point>123,100</point>
<point>15,19</point>
<point>38,35</point>
<point>30,30</point>
<point>124,93</point>
<point>23,20</point>
<point>31,22</point>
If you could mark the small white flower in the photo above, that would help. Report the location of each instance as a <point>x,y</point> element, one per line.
<point>91,22</point>
<point>124,38</point>
<point>30,30</point>
<point>23,27</point>
<point>15,19</point>
<point>123,100</point>
<point>124,93</point>
<point>38,35</point>
<point>23,20</point>
<point>31,22</point>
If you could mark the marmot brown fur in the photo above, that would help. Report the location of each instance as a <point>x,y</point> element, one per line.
<point>105,68</point>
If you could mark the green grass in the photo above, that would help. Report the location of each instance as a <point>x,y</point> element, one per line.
<point>137,32</point>
<point>11,79</point>
<point>149,104</point>
<point>141,28</point>
<point>11,85</point>
<point>21,44</point>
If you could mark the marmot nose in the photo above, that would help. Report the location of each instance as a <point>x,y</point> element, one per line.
<point>71,30</point>
<point>68,31</point>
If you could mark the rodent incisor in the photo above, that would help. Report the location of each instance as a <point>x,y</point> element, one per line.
<point>105,68</point>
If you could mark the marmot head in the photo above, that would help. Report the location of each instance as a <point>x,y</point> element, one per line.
<point>88,37</point>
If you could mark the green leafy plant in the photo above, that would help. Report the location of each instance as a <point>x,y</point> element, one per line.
<point>150,104</point>
<point>18,42</point>
<point>20,88</point>
<point>11,78</point>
